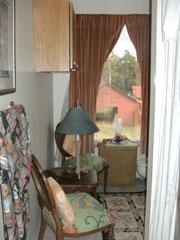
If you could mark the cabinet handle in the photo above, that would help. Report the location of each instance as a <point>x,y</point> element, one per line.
<point>74,67</point>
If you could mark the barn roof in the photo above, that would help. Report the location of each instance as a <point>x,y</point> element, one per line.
<point>102,84</point>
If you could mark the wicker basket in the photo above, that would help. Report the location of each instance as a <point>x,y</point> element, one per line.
<point>122,164</point>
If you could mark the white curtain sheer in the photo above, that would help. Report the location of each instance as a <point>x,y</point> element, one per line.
<point>166,152</point>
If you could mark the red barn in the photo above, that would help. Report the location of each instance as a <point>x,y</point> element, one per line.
<point>137,92</point>
<point>128,108</point>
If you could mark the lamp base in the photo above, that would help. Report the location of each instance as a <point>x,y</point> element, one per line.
<point>79,170</point>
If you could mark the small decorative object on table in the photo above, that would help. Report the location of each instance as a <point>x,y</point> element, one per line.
<point>119,140</point>
<point>116,140</point>
<point>118,130</point>
<point>57,173</point>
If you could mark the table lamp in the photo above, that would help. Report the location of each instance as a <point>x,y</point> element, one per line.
<point>78,122</point>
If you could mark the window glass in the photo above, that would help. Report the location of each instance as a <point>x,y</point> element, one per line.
<point>119,96</point>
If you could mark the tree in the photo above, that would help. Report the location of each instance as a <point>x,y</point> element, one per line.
<point>122,72</point>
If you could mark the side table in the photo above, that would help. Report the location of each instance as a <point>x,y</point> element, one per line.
<point>122,163</point>
<point>88,182</point>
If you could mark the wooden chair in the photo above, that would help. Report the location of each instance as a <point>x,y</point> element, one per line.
<point>97,163</point>
<point>82,205</point>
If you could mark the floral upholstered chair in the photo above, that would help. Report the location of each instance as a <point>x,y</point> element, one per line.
<point>89,161</point>
<point>68,215</point>
<point>15,170</point>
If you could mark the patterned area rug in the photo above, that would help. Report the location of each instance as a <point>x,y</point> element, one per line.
<point>128,211</point>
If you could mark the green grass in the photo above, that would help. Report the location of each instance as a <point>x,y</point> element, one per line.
<point>107,130</point>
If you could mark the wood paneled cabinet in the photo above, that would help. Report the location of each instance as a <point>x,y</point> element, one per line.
<point>72,54</point>
<point>53,35</point>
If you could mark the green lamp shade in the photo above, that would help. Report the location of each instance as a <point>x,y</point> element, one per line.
<point>77,121</point>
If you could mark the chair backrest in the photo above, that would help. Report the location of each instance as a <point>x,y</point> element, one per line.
<point>45,194</point>
<point>59,138</point>
<point>41,184</point>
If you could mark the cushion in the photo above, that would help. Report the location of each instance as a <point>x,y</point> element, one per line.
<point>89,214</point>
<point>90,162</point>
<point>61,201</point>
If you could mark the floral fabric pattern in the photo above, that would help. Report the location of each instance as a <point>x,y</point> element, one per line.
<point>15,168</point>
<point>89,214</point>
<point>90,162</point>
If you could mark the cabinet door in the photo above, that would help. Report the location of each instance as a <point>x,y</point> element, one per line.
<point>72,50</point>
<point>51,35</point>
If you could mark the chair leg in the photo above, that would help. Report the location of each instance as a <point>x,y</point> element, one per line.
<point>59,235</point>
<point>42,228</point>
<point>105,177</point>
<point>111,232</point>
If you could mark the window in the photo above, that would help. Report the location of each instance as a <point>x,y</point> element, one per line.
<point>119,95</point>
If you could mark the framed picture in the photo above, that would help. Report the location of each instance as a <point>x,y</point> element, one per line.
<point>7,47</point>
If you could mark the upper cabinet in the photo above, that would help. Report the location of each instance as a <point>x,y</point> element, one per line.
<point>73,63</point>
<point>53,35</point>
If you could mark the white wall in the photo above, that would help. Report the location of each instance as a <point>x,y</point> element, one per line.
<point>42,94</point>
<point>111,6</point>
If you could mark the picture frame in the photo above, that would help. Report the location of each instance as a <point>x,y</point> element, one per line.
<point>7,47</point>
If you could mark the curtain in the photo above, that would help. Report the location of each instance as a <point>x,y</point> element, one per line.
<point>96,37</point>
<point>166,155</point>
<point>138,28</point>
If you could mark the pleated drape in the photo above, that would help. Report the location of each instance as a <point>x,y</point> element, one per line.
<point>138,28</point>
<point>96,35</point>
